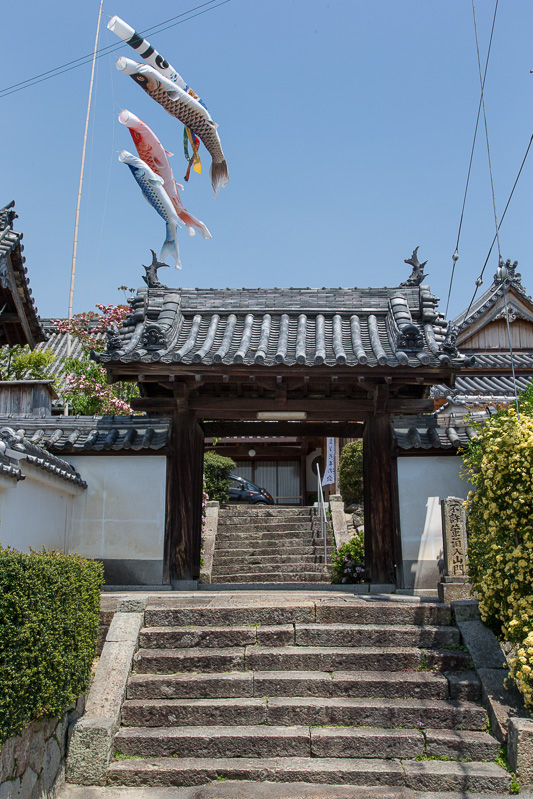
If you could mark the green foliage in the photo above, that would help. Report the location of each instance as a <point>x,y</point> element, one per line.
<point>217,470</point>
<point>349,561</point>
<point>21,363</point>
<point>351,473</point>
<point>49,611</point>
<point>499,463</point>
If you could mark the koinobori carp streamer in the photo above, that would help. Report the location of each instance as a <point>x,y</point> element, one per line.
<point>151,186</point>
<point>184,107</point>
<point>172,78</point>
<point>152,152</point>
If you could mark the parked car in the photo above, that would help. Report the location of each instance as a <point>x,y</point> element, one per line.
<point>242,491</point>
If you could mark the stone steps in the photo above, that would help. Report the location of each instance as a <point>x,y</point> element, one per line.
<point>293,568</point>
<point>303,741</point>
<point>266,512</point>
<point>290,688</point>
<point>425,775</point>
<point>342,635</point>
<point>250,559</point>
<point>309,711</point>
<point>302,524</point>
<point>288,553</point>
<point>292,658</point>
<point>414,684</point>
<point>269,577</point>
<point>169,612</point>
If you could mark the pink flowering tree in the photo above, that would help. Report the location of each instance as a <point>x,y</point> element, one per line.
<point>86,390</point>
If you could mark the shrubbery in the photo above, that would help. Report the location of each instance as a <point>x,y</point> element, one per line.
<point>217,470</point>
<point>349,561</point>
<point>351,473</point>
<point>49,610</point>
<point>500,533</point>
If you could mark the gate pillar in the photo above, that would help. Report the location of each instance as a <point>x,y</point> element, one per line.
<point>379,502</point>
<point>185,470</point>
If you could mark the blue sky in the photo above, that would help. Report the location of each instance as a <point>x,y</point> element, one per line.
<point>347,129</point>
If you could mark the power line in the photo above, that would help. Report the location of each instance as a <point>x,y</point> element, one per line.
<point>455,256</point>
<point>479,281</point>
<point>79,62</point>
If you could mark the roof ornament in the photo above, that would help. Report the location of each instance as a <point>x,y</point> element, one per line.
<point>449,345</point>
<point>150,278</point>
<point>113,337</point>
<point>7,216</point>
<point>507,272</point>
<point>410,338</point>
<point>417,275</point>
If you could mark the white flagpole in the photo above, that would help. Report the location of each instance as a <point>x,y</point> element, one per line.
<point>82,168</point>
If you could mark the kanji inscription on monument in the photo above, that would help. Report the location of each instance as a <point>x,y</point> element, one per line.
<point>454,536</point>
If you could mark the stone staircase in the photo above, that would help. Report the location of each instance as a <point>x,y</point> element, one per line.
<point>269,545</point>
<point>296,687</point>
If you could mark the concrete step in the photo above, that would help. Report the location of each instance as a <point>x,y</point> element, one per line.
<point>271,577</point>
<point>170,661</point>
<point>241,534</point>
<point>175,612</point>
<point>270,511</point>
<point>285,552</point>
<point>258,560</point>
<point>423,775</point>
<point>303,741</point>
<point>237,523</point>
<point>409,684</point>
<point>260,548</point>
<point>324,658</point>
<point>179,637</point>
<point>245,741</point>
<point>344,635</point>
<point>245,566</point>
<point>309,711</point>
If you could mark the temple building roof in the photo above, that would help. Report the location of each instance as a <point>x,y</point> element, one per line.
<point>19,320</point>
<point>369,327</point>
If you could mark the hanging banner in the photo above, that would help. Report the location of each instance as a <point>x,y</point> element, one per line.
<point>329,472</point>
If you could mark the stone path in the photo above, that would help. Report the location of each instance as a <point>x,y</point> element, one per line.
<point>277,689</point>
<point>269,545</point>
<point>256,790</point>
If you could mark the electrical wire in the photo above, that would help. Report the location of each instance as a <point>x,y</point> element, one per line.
<point>455,256</point>
<point>501,220</point>
<point>502,271</point>
<point>80,62</point>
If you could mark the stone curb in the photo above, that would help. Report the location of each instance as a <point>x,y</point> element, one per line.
<point>338,520</point>
<point>505,705</point>
<point>520,749</point>
<point>210,537</point>
<point>91,741</point>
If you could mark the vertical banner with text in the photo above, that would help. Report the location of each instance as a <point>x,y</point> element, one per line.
<point>329,471</point>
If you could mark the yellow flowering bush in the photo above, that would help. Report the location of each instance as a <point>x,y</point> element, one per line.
<point>499,463</point>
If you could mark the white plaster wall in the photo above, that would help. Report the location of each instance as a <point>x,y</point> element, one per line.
<point>311,475</point>
<point>422,483</point>
<point>122,515</point>
<point>36,512</point>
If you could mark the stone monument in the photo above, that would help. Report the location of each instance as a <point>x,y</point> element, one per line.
<point>454,584</point>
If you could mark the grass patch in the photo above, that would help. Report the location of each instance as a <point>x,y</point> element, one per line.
<point>502,762</point>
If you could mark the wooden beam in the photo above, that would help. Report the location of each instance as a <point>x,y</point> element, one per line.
<point>330,406</point>
<point>223,429</point>
<point>380,561</point>
<point>154,404</point>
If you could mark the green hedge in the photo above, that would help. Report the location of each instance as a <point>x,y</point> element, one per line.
<point>217,470</point>
<point>49,610</point>
<point>351,473</point>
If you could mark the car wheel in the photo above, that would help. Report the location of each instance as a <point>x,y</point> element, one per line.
<point>260,503</point>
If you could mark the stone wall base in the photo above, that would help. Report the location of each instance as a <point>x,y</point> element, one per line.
<point>32,764</point>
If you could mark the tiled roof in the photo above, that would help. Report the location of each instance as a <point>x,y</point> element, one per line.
<point>19,320</point>
<point>79,434</point>
<point>493,294</point>
<point>331,326</point>
<point>11,441</point>
<point>500,385</point>
<point>433,432</point>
